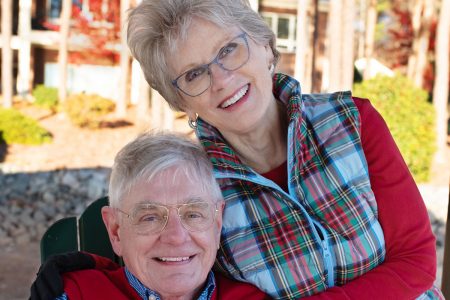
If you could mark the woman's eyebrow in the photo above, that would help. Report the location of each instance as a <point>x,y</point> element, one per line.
<point>218,47</point>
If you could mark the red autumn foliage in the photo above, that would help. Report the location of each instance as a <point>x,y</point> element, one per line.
<point>402,36</point>
<point>101,29</point>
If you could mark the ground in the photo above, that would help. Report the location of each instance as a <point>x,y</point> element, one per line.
<point>71,148</point>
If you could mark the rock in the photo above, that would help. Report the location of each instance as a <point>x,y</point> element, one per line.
<point>39,216</point>
<point>70,179</point>
<point>48,197</point>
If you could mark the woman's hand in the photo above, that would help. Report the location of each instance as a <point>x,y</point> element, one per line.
<point>49,283</point>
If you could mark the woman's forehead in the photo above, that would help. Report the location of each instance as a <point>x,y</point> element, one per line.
<point>200,45</point>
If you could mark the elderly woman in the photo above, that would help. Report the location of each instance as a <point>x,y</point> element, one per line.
<point>316,190</point>
<point>164,219</point>
<point>319,201</point>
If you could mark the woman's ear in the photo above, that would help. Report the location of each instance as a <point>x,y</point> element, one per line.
<point>111,220</point>
<point>191,114</point>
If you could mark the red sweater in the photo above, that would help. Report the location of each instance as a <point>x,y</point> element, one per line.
<point>108,281</point>
<point>410,266</point>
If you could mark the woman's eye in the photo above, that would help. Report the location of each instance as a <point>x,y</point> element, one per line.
<point>194,74</point>
<point>227,50</point>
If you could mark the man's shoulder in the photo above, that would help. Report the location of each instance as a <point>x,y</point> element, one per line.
<point>94,278</point>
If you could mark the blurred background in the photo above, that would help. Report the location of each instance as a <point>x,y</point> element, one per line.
<point>72,96</point>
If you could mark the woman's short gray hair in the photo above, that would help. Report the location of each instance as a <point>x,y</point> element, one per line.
<point>155,25</point>
<point>151,153</point>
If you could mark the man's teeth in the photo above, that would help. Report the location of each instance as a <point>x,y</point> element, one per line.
<point>235,98</point>
<point>170,259</point>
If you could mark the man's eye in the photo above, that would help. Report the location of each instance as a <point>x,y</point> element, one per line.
<point>194,74</point>
<point>227,50</point>
<point>193,215</point>
<point>150,218</point>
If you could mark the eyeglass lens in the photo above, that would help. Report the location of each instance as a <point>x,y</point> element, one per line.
<point>150,218</point>
<point>230,57</point>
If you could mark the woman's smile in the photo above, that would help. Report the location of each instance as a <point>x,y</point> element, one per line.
<point>240,95</point>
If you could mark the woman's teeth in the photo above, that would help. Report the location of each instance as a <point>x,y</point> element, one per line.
<point>235,98</point>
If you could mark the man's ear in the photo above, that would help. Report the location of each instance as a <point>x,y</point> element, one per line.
<point>220,207</point>
<point>111,220</point>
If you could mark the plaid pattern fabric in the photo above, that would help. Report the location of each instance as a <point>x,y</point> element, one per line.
<point>325,231</point>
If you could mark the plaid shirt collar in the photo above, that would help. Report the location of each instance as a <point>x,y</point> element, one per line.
<point>148,294</point>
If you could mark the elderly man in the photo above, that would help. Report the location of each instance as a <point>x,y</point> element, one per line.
<point>164,219</point>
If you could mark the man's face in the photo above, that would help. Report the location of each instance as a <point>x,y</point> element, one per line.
<point>175,261</point>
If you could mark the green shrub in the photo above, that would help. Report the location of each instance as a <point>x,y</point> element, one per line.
<point>409,116</point>
<point>46,97</point>
<point>17,128</point>
<point>86,110</point>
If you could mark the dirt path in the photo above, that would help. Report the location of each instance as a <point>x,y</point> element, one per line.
<point>19,265</point>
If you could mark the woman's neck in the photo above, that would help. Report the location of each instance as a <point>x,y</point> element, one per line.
<point>264,148</point>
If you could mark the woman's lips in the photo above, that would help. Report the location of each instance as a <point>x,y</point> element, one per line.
<point>238,96</point>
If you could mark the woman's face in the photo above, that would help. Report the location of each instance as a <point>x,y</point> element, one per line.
<point>238,101</point>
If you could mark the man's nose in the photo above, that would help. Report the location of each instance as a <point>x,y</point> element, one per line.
<point>174,232</point>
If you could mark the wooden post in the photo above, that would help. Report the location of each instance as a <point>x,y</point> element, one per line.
<point>348,42</point>
<point>335,44</point>
<point>63,48</point>
<point>302,46</point>
<point>441,88</point>
<point>371,22</point>
<point>7,58</point>
<point>24,77</point>
<point>121,105</point>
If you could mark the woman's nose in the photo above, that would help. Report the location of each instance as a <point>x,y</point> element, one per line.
<point>220,77</point>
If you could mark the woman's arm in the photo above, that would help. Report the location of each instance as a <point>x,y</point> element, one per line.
<point>410,266</point>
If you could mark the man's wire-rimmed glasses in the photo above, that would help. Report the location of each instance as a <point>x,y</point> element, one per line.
<point>149,218</point>
<point>231,57</point>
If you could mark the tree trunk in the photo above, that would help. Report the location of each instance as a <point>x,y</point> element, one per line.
<point>316,59</point>
<point>142,89</point>
<point>440,90</point>
<point>423,12</point>
<point>302,46</point>
<point>335,44</point>
<point>7,58</point>
<point>371,21</point>
<point>255,5</point>
<point>121,105</point>
<point>63,48</point>
<point>362,19</point>
<point>162,115</point>
<point>24,84</point>
<point>348,44</point>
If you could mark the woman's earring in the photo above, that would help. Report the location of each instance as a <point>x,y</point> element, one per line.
<point>271,68</point>
<point>193,123</point>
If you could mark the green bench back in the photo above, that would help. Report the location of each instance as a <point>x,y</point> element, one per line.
<point>88,234</point>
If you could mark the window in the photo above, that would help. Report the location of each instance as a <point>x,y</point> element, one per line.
<point>284,25</point>
<point>56,6</point>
